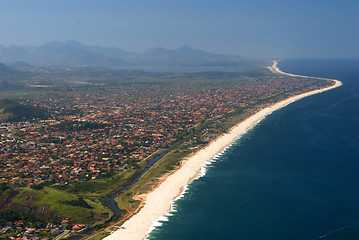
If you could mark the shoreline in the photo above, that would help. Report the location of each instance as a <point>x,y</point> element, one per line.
<point>159,202</point>
<point>275,69</point>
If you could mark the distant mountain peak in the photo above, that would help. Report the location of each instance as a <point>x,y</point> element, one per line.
<point>73,53</point>
<point>189,50</point>
<point>185,47</point>
<point>72,42</point>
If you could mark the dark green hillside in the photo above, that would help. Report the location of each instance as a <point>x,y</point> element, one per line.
<point>49,204</point>
<point>11,111</point>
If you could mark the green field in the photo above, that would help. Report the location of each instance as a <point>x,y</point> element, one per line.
<point>50,201</point>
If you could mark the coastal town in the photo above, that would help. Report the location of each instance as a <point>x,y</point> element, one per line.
<point>179,120</point>
<point>37,231</point>
<point>96,135</point>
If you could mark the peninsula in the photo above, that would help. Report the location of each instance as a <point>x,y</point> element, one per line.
<point>158,202</point>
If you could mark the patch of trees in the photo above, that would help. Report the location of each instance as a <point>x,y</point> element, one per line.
<point>38,186</point>
<point>86,187</point>
<point>79,126</point>
<point>3,188</point>
<point>18,112</point>
<point>80,202</point>
<point>10,215</point>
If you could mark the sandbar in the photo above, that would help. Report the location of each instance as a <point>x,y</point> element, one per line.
<point>158,202</point>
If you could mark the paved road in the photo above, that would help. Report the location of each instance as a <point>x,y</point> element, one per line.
<point>62,235</point>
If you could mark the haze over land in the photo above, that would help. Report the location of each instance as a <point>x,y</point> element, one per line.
<point>272,29</point>
<point>101,101</point>
<point>72,136</point>
<point>75,54</point>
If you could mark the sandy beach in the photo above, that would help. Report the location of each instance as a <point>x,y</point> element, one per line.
<point>158,202</point>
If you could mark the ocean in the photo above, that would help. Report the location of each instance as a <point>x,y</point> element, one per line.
<point>294,176</point>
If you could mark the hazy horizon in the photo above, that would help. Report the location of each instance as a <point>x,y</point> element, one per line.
<point>275,29</point>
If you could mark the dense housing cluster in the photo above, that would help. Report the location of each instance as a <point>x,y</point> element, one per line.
<point>93,135</point>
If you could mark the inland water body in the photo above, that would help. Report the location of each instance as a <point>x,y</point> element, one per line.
<point>294,176</point>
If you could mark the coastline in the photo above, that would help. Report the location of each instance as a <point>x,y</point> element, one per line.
<point>275,69</point>
<point>159,201</point>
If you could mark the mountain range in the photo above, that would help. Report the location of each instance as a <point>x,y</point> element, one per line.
<point>75,54</point>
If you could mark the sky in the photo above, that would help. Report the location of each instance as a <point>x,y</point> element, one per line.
<point>249,28</point>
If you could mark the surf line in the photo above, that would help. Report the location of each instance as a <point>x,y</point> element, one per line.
<point>159,201</point>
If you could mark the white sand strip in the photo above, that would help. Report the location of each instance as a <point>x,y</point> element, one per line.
<point>275,69</point>
<point>158,202</point>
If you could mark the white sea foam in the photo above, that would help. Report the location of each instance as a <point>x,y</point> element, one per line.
<point>134,229</point>
<point>204,169</point>
<point>159,221</point>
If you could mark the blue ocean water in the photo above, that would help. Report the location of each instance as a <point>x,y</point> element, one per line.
<point>294,176</point>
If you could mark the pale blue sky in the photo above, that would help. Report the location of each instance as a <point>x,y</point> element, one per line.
<point>251,28</point>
